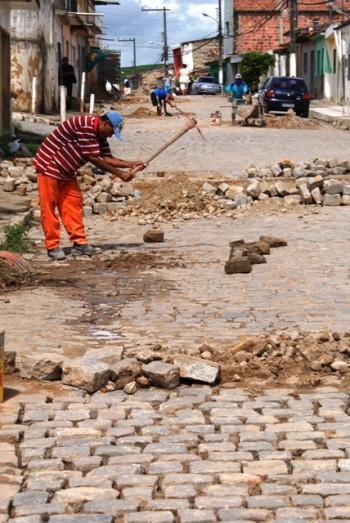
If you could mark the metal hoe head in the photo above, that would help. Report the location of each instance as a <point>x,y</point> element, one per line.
<point>191,122</point>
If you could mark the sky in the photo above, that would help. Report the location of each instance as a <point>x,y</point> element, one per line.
<point>184,22</point>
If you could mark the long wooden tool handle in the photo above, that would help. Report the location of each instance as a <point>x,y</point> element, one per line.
<point>190,124</point>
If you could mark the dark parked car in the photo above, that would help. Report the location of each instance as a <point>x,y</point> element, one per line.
<point>205,85</point>
<point>280,93</point>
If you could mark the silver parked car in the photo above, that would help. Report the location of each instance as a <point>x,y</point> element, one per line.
<point>205,85</point>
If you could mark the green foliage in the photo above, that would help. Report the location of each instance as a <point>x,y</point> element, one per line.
<point>33,148</point>
<point>16,238</point>
<point>253,65</point>
<point>5,139</point>
<point>17,127</point>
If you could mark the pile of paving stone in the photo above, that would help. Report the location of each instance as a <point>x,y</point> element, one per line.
<point>294,357</point>
<point>112,368</point>
<point>320,182</point>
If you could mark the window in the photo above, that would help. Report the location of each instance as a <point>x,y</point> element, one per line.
<point>334,61</point>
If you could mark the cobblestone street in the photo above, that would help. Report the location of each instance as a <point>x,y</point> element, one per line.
<point>194,454</point>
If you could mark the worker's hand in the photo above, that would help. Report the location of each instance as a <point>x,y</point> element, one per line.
<point>126,176</point>
<point>139,165</point>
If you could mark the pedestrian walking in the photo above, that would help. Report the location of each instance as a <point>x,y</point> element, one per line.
<point>184,79</point>
<point>76,141</point>
<point>68,79</point>
<point>162,97</point>
<point>127,87</point>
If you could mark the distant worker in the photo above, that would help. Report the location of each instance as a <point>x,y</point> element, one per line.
<point>67,78</point>
<point>238,88</point>
<point>160,97</point>
<point>127,87</point>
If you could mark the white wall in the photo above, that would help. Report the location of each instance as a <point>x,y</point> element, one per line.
<point>33,54</point>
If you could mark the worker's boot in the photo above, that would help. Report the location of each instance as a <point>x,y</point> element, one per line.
<point>84,250</point>
<point>56,254</point>
<point>159,111</point>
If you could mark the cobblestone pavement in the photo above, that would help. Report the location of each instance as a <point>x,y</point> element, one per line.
<point>196,454</point>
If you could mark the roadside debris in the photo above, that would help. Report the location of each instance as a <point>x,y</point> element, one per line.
<point>178,196</point>
<point>295,358</point>
<point>153,236</point>
<point>243,255</point>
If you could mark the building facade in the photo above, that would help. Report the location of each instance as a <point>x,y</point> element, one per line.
<point>272,26</point>
<point>39,40</point>
<point>5,57</point>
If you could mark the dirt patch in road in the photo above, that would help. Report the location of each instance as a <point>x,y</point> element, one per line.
<point>73,270</point>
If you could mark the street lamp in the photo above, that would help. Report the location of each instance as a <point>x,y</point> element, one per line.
<point>221,75</point>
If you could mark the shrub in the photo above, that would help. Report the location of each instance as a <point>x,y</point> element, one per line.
<point>16,238</point>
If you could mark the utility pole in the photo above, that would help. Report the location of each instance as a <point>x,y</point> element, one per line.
<point>220,40</point>
<point>133,40</point>
<point>165,47</point>
<point>221,73</point>
<point>292,48</point>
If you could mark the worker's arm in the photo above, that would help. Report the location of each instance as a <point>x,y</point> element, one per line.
<point>169,100</point>
<point>113,165</point>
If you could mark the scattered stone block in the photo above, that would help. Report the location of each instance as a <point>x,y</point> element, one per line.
<point>153,236</point>
<point>41,366</point>
<point>85,373</point>
<point>9,185</point>
<point>10,362</point>
<point>238,265</point>
<point>197,369</point>
<point>162,374</point>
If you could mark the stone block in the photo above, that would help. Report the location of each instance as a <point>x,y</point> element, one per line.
<point>197,369</point>
<point>162,374</point>
<point>85,373</point>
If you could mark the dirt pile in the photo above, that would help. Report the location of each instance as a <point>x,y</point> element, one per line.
<point>173,196</point>
<point>143,112</point>
<point>290,121</point>
<point>292,359</point>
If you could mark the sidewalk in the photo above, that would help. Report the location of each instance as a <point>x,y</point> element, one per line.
<point>330,112</point>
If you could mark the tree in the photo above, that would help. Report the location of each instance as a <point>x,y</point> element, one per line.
<point>253,65</point>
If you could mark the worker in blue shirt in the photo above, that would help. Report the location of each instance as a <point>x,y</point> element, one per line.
<point>160,97</point>
<point>238,88</point>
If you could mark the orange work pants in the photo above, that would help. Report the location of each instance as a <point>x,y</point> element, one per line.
<point>66,197</point>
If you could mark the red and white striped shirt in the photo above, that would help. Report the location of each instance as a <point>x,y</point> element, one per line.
<point>68,147</point>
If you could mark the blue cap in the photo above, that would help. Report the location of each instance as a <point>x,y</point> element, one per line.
<point>117,122</point>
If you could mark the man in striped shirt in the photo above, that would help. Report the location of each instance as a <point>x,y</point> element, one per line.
<point>71,145</point>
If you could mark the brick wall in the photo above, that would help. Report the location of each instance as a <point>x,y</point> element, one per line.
<point>261,24</point>
<point>203,52</point>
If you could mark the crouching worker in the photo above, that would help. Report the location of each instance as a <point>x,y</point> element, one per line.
<point>161,97</point>
<point>75,142</point>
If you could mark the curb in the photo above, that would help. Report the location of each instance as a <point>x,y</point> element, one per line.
<point>339,121</point>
